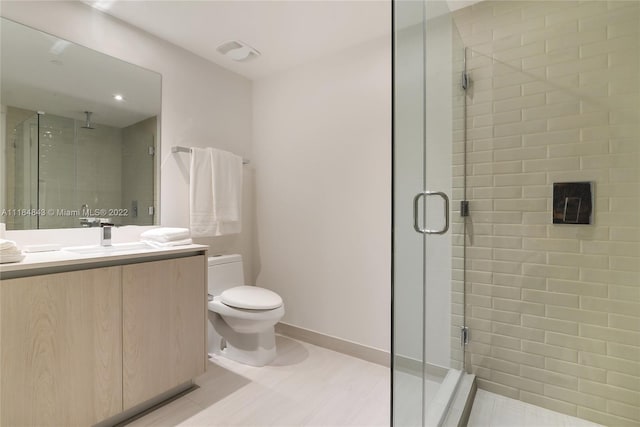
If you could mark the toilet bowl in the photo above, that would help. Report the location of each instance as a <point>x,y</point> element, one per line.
<point>241,318</point>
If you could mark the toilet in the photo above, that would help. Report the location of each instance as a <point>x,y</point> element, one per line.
<point>241,318</point>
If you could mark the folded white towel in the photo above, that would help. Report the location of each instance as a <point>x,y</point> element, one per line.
<point>7,258</point>
<point>9,252</point>
<point>7,244</point>
<point>166,234</point>
<point>171,244</point>
<point>215,192</point>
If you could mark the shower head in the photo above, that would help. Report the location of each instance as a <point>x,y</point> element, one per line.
<point>87,120</point>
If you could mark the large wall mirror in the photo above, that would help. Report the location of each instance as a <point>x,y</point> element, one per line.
<point>79,133</point>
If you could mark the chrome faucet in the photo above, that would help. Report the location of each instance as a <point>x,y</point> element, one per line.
<point>105,234</point>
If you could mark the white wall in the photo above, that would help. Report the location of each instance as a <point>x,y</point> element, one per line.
<point>322,152</point>
<point>202,103</point>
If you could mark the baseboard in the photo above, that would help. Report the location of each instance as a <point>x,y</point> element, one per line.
<point>360,351</point>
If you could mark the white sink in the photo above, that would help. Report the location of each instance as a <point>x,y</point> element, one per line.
<point>105,250</point>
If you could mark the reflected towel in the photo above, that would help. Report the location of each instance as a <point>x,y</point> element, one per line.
<point>215,192</point>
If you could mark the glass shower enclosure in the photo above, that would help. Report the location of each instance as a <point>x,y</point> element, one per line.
<point>542,266</point>
<point>428,230</point>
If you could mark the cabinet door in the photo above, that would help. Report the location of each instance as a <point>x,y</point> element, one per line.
<point>164,309</point>
<point>61,348</point>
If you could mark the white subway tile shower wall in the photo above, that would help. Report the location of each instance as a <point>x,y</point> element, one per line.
<point>554,310</point>
<point>77,167</point>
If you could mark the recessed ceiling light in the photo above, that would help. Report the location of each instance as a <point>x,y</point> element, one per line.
<point>238,50</point>
<point>118,97</point>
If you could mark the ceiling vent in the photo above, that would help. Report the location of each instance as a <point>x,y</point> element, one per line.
<point>238,51</point>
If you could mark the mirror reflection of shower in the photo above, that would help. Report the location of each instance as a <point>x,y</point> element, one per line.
<point>58,167</point>
<point>87,120</point>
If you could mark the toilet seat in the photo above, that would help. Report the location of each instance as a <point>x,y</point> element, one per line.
<point>251,298</point>
<point>217,306</point>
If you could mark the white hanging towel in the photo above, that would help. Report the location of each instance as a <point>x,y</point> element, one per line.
<point>227,191</point>
<point>215,192</point>
<point>202,213</point>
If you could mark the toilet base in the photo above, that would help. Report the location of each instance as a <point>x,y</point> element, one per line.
<point>251,349</point>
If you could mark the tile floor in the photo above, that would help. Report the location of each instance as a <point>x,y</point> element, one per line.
<point>305,386</point>
<point>493,410</point>
<point>311,386</point>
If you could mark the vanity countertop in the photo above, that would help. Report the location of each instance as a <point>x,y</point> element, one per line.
<point>56,261</point>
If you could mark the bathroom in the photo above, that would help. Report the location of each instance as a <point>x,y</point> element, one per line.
<point>551,309</point>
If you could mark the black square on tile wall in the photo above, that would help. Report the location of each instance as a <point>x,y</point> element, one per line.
<point>572,203</point>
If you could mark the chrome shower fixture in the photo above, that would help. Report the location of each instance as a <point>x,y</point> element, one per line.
<point>87,120</point>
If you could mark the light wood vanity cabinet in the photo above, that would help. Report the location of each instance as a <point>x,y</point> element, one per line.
<point>61,348</point>
<point>79,347</point>
<point>163,326</point>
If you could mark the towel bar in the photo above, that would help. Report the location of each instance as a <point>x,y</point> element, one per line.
<point>179,149</point>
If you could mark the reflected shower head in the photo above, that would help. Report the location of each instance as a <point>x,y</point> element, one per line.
<point>87,122</point>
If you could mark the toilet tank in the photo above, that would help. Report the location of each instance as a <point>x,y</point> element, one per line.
<point>225,271</point>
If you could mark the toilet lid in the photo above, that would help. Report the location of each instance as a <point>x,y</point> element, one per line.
<point>251,298</point>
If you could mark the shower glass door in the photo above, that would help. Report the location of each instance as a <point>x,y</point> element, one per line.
<point>428,242</point>
<point>20,170</point>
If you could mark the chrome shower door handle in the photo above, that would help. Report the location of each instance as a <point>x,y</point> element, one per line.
<point>416,210</point>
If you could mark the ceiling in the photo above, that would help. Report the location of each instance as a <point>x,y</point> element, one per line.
<point>287,33</point>
<point>43,73</point>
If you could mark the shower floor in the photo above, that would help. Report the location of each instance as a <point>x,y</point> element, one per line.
<point>493,410</point>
